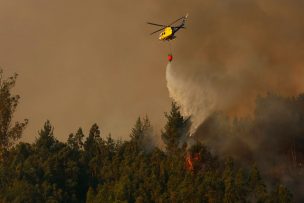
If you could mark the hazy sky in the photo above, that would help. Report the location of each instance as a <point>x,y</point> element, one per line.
<point>81,62</point>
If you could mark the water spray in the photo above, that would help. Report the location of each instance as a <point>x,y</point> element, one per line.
<point>194,100</point>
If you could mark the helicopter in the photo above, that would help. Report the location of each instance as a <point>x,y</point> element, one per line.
<point>169,30</point>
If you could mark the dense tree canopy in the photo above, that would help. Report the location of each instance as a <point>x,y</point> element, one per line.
<point>93,168</point>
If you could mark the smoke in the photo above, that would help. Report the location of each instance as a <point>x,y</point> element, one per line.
<point>235,50</point>
<point>232,54</point>
<point>272,138</point>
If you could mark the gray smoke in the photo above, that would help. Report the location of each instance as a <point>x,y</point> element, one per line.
<point>232,53</point>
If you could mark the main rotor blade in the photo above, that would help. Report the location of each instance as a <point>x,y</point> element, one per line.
<point>156,31</point>
<point>180,27</point>
<point>156,24</point>
<point>176,20</point>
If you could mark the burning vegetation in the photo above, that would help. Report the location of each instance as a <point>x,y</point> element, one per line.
<point>192,160</point>
<point>273,138</point>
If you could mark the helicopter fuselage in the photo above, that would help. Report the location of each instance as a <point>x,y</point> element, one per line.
<point>169,30</point>
<point>168,34</point>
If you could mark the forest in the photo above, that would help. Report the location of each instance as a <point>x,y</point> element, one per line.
<point>96,168</point>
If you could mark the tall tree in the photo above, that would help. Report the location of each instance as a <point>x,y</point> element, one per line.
<point>141,139</point>
<point>76,141</point>
<point>176,128</point>
<point>282,194</point>
<point>137,131</point>
<point>46,140</point>
<point>9,131</point>
<point>230,195</point>
<point>257,185</point>
<point>93,156</point>
<point>93,141</point>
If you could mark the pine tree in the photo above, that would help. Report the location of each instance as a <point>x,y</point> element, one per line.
<point>281,195</point>
<point>137,131</point>
<point>46,141</point>
<point>230,195</point>
<point>176,129</point>
<point>93,141</point>
<point>241,185</point>
<point>257,186</point>
<point>76,141</point>
<point>141,139</point>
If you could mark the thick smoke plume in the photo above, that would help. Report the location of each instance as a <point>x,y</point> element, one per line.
<point>233,53</point>
<point>272,138</point>
<point>235,50</point>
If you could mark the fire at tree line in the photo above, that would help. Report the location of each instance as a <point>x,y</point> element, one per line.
<point>96,168</point>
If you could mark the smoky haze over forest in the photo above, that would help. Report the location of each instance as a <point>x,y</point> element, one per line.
<point>237,50</point>
<point>95,62</point>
